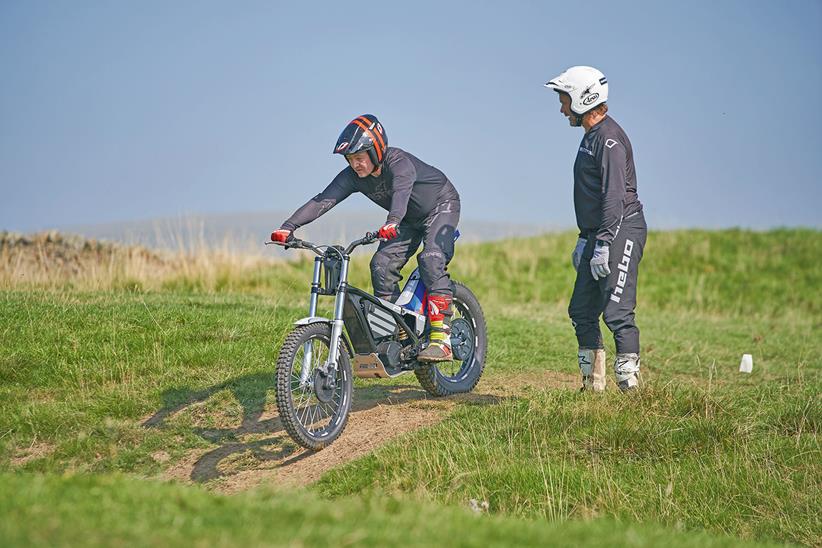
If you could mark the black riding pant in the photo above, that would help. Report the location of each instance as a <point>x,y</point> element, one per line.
<point>613,297</point>
<point>436,233</point>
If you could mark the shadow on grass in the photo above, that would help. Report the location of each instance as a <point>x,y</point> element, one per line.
<point>251,392</point>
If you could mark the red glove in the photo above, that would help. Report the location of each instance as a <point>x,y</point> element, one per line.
<point>388,231</point>
<point>282,235</point>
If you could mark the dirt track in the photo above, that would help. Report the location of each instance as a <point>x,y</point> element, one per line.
<point>259,451</point>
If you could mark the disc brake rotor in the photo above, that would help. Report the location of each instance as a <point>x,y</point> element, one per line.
<point>323,393</point>
<point>462,339</point>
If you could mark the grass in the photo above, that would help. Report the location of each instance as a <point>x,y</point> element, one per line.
<point>56,261</point>
<point>727,461</point>
<point>112,510</point>
<point>84,367</point>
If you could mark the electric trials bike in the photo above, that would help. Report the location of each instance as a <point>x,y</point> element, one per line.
<point>368,337</point>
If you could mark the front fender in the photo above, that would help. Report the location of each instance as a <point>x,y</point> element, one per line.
<point>312,319</point>
<point>321,319</point>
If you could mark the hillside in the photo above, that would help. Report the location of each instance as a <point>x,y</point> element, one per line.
<point>149,375</point>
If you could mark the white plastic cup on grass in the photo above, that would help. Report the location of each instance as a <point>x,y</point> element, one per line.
<point>746,365</point>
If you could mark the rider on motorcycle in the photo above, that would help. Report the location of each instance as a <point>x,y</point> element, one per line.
<point>423,207</point>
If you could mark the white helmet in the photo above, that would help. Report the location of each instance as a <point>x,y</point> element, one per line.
<point>586,85</point>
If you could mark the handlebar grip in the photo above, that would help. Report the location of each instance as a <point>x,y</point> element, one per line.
<point>298,244</point>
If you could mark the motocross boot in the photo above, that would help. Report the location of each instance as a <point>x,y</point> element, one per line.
<point>592,367</point>
<point>439,342</point>
<point>626,370</point>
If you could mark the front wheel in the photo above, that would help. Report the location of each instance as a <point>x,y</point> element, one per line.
<point>469,344</point>
<point>313,407</point>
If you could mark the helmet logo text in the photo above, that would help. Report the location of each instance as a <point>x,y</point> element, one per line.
<point>590,99</point>
<point>342,146</point>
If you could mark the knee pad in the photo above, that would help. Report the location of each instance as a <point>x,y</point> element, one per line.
<point>432,266</point>
<point>383,277</point>
<point>380,261</point>
<point>582,315</point>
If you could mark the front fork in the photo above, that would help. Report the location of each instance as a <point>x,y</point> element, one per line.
<point>330,367</point>
<point>337,326</point>
<point>308,349</point>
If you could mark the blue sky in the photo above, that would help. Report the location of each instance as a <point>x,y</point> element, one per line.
<point>113,111</point>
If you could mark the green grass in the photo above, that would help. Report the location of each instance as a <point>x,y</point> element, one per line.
<point>740,462</point>
<point>704,448</point>
<point>730,272</point>
<point>119,511</point>
<point>79,370</point>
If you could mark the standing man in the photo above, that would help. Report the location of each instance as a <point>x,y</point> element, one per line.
<point>423,207</point>
<point>612,230</point>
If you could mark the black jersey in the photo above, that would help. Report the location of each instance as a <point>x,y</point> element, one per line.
<point>407,187</point>
<point>604,181</point>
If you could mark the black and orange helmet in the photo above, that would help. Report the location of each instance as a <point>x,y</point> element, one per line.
<point>363,133</point>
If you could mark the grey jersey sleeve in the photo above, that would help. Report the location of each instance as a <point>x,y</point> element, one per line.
<point>338,190</point>
<point>613,171</point>
<point>404,175</point>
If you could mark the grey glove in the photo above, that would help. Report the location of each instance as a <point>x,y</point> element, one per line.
<point>599,262</point>
<point>576,256</point>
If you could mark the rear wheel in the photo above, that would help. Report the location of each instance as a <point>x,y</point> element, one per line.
<point>313,408</point>
<point>469,344</point>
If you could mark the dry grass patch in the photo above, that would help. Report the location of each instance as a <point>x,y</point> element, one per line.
<point>54,260</point>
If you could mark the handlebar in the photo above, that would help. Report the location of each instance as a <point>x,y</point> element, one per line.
<point>370,238</point>
<point>295,243</point>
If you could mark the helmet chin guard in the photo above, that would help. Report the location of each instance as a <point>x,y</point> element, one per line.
<point>363,133</point>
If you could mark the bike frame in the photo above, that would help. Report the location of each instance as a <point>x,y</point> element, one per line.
<point>415,301</point>
<point>340,292</point>
<point>343,293</point>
